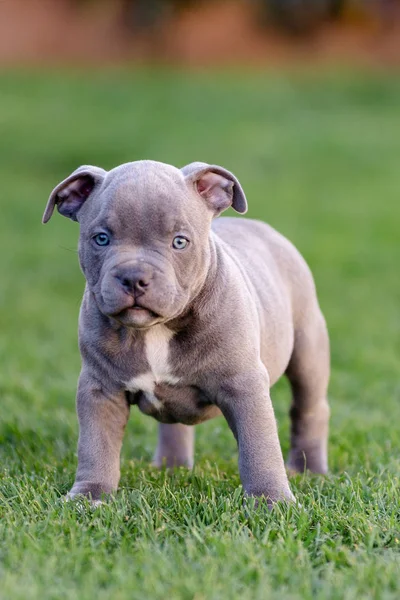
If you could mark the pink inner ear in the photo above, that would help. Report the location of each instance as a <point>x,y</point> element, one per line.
<point>81,187</point>
<point>202,185</point>
<point>86,188</point>
<point>216,190</point>
<point>211,183</point>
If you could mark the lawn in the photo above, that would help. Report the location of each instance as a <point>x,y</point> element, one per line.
<point>318,155</point>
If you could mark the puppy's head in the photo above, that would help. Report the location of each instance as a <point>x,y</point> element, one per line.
<point>144,244</point>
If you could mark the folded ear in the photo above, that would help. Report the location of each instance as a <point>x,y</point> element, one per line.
<point>70,195</point>
<point>219,187</point>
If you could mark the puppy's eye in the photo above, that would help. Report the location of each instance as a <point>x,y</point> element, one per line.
<point>101,239</point>
<point>179,242</point>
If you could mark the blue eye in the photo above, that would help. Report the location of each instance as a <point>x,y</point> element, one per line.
<point>101,239</point>
<point>179,242</point>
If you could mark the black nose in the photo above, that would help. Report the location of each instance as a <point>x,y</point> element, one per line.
<point>134,279</point>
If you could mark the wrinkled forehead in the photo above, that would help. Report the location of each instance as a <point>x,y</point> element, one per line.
<point>144,195</point>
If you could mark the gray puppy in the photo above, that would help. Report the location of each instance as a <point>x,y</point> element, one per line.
<point>189,318</point>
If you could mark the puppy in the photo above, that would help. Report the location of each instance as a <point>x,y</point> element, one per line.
<point>189,317</point>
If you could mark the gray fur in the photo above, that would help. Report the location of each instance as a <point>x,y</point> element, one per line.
<point>214,324</point>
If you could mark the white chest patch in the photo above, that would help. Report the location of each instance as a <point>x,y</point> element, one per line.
<point>157,353</point>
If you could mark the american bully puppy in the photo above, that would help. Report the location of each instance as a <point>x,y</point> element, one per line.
<point>188,317</point>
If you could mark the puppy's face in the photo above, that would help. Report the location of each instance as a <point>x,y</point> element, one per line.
<point>144,244</point>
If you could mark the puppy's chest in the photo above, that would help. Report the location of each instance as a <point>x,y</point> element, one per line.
<point>157,356</point>
<point>159,393</point>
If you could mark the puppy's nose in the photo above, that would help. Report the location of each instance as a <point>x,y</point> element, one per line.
<point>134,279</point>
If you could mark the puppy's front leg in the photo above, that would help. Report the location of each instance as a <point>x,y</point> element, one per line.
<point>102,420</point>
<point>246,405</point>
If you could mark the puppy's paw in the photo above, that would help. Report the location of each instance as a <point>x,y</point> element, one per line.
<point>76,497</point>
<point>96,493</point>
<point>256,500</point>
<point>82,503</point>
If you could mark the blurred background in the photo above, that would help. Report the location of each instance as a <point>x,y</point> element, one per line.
<point>198,32</point>
<point>301,100</point>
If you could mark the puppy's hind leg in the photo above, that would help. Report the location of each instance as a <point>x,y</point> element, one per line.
<point>175,446</point>
<point>308,373</point>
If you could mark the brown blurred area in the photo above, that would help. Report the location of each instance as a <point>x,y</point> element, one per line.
<point>199,33</point>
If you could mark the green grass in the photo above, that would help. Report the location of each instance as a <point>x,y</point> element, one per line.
<point>318,156</point>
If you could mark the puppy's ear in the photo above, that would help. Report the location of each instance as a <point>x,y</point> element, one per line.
<point>70,195</point>
<point>219,187</point>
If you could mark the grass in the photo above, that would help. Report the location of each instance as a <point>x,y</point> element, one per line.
<point>318,155</point>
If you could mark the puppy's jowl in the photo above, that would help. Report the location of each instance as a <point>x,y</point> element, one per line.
<point>189,317</point>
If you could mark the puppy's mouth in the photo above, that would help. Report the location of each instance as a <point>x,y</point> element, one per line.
<point>138,309</point>
<point>136,315</point>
